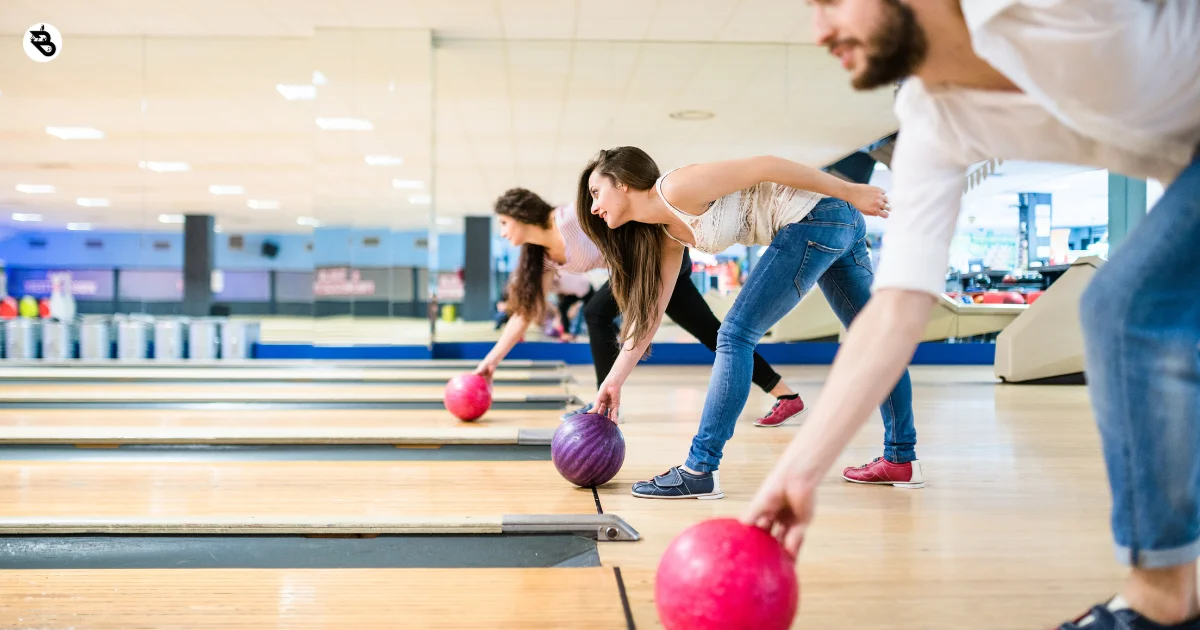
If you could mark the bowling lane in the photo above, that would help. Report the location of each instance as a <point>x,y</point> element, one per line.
<point>292,396</point>
<point>300,426</point>
<point>410,496</point>
<point>234,390</point>
<point>459,365</point>
<point>180,375</point>
<point>328,598</point>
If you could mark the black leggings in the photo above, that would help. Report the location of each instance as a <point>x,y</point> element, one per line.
<point>566,301</point>
<point>686,308</point>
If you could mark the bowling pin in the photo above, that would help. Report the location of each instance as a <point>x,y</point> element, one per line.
<point>61,289</point>
<point>57,305</point>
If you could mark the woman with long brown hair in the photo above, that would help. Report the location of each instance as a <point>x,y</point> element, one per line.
<point>643,223</point>
<point>552,241</point>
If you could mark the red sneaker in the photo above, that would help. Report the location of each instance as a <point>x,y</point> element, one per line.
<point>882,472</point>
<point>785,409</point>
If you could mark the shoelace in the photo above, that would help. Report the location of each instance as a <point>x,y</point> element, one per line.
<point>774,408</point>
<point>865,466</point>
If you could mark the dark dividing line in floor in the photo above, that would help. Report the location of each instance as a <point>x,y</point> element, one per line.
<point>596,496</point>
<point>624,599</point>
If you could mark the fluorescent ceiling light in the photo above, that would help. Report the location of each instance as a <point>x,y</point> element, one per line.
<point>92,202</point>
<point>79,227</point>
<point>226,189</point>
<point>345,124</point>
<point>309,221</point>
<point>170,218</point>
<point>35,189</point>
<point>318,78</point>
<point>27,218</point>
<point>262,204</point>
<point>408,184</point>
<point>75,133</point>
<point>384,160</point>
<point>165,167</point>
<point>297,92</point>
<point>420,200</point>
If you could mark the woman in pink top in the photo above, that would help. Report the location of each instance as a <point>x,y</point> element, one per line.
<point>551,240</point>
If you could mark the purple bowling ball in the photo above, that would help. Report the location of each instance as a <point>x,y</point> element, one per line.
<point>588,449</point>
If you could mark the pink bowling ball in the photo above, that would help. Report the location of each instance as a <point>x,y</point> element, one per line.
<point>468,396</point>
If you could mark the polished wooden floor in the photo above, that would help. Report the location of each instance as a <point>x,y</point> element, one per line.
<point>323,491</point>
<point>294,426</point>
<point>1011,530</point>
<point>249,392</point>
<point>516,599</point>
<point>349,375</point>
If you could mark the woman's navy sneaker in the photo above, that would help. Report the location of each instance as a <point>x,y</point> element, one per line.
<point>678,483</point>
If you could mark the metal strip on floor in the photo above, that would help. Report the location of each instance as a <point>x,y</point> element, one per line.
<point>297,552</point>
<point>116,436</point>
<point>600,527</point>
<point>529,402</point>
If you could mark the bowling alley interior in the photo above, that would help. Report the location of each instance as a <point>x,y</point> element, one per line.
<point>256,287</point>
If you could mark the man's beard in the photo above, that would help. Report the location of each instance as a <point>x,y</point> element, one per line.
<point>897,48</point>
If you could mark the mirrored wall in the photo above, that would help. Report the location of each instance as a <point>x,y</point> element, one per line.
<point>312,156</point>
<point>532,113</point>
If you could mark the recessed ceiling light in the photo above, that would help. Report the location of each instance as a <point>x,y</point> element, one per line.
<point>226,189</point>
<point>26,218</point>
<point>75,133</point>
<point>263,204</point>
<point>35,189</point>
<point>384,160</point>
<point>318,78</point>
<point>420,200</point>
<point>79,227</point>
<point>165,167</point>
<point>880,166</point>
<point>692,114</point>
<point>297,92</point>
<point>408,184</point>
<point>309,221</point>
<point>92,202</point>
<point>345,124</point>
<point>170,218</point>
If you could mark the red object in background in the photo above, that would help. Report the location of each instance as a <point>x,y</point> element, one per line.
<point>8,308</point>
<point>1012,297</point>
<point>992,297</point>
<point>1033,296</point>
<point>44,308</point>
<point>468,396</point>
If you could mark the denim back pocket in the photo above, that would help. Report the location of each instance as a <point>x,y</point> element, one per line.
<point>818,258</point>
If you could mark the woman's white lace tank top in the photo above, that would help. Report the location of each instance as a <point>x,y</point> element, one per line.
<point>748,217</point>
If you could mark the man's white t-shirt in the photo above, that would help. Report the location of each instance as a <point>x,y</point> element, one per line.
<point>1113,84</point>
